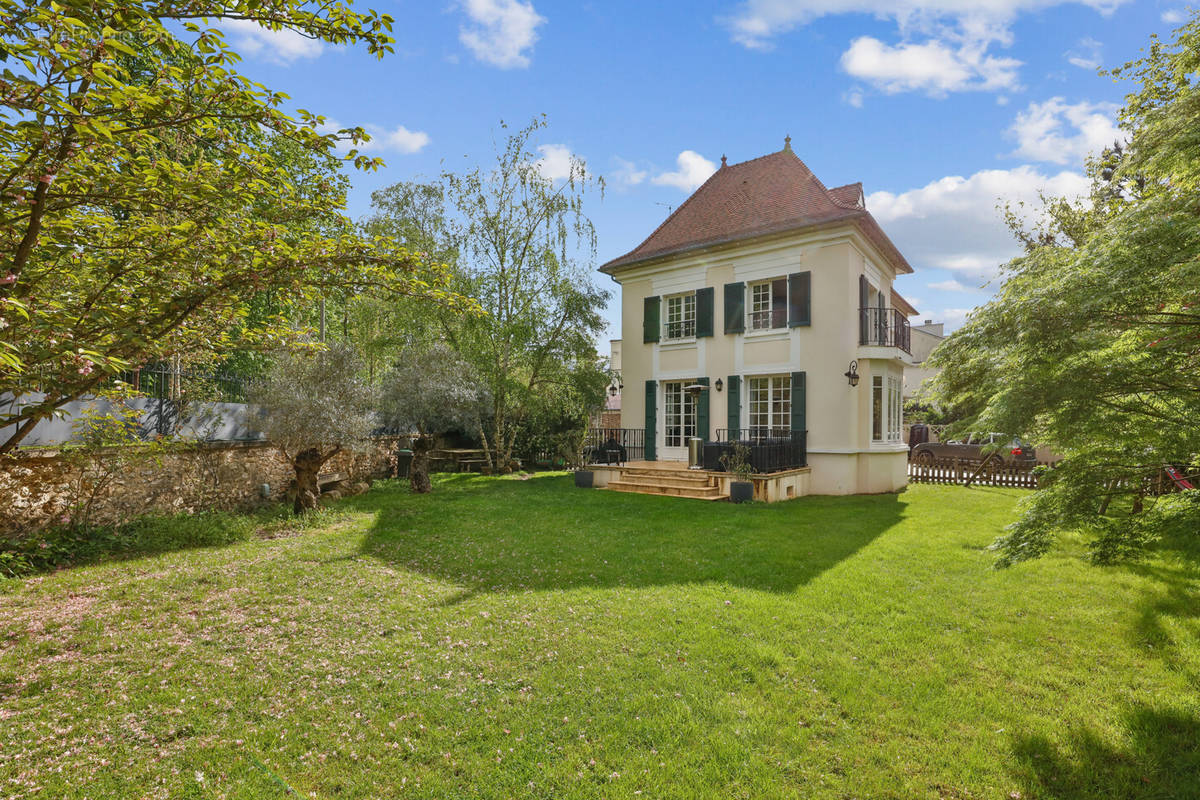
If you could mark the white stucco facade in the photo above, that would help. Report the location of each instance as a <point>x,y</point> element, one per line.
<point>850,449</point>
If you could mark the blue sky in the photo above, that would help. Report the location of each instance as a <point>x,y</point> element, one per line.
<point>941,108</point>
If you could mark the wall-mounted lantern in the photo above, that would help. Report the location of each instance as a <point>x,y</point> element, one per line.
<point>852,373</point>
<point>719,384</point>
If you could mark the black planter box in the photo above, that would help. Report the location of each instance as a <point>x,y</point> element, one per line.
<point>583,479</point>
<point>741,491</point>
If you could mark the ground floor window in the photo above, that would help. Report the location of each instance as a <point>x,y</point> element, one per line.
<point>886,408</point>
<point>770,404</point>
<point>680,422</point>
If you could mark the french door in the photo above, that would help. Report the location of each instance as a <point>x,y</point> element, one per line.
<point>679,423</point>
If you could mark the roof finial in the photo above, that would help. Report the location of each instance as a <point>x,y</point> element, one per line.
<point>787,143</point>
<point>722,159</point>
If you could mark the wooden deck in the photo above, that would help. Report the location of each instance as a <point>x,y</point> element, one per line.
<point>674,479</point>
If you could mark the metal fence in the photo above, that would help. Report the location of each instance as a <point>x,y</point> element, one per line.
<point>768,449</point>
<point>164,382</point>
<point>614,445</point>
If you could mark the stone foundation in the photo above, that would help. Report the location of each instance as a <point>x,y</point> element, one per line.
<point>40,487</point>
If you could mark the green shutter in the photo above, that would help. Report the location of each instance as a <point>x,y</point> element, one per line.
<point>799,423</point>
<point>704,311</point>
<point>702,403</point>
<point>735,307</point>
<point>651,417</point>
<point>799,299</point>
<point>650,326</point>
<point>734,400</point>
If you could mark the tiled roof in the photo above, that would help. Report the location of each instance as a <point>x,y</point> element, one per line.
<point>771,194</point>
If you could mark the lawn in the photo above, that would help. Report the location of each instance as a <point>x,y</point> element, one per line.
<point>523,638</point>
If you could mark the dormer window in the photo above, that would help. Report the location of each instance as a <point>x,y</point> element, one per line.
<point>681,316</point>
<point>768,305</point>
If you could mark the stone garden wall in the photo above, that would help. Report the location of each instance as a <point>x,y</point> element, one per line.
<point>41,487</point>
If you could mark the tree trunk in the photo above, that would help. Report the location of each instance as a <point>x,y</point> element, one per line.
<point>418,471</point>
<point>307,464</point>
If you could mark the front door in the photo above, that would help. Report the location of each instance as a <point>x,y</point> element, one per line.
<point>679,422</point>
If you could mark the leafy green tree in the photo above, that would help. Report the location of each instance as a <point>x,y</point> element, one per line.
<point>1092,346</point>
<point>148,191</point>
<point>519,236</point>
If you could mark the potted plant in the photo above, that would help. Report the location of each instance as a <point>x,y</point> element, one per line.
<point>737,463</point>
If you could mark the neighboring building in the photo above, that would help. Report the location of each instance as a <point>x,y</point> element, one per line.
<point>924,339</point>
<point>764,287</point>
<point>610,417</point>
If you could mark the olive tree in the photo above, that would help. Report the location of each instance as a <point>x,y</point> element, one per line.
<point>432,390</point>
<point>312,405</point>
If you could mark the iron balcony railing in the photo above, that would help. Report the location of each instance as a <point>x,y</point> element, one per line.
<point>884,327</point>
<point>768,449</point>
<point>614,445</point>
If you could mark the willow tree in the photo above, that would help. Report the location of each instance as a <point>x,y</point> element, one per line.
<point>1092,346</point>
<point>141,204</point>
<point>525,248</point>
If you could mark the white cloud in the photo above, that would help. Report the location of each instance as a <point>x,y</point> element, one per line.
<point>954,223</point>
<point>502,31</point>
<point>854,97</point>
<point>943,44</point>
<point>694,169</point>
<point>555,162</point>
<point>1063,133</point>
<point>1086,54</point>
<point>1174,16</point>
<point>952,317</point>
<point>934,67</point>
<point>757,22</point>
<point>399,139</point>
<point>952,285</point>
<point>280,47</point>
<point>628,174</point>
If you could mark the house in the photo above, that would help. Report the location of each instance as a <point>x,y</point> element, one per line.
<point>925,338</point>
<point>767,314</point>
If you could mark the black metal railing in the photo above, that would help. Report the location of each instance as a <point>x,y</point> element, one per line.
<point>768,449</point>
<point>164,382</point>
<point>884,327</point>
<point>614,445</point>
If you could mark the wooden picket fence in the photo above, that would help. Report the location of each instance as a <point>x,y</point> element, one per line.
<point>957,471</point>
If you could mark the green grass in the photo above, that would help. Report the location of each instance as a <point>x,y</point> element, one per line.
<point>522,638</point>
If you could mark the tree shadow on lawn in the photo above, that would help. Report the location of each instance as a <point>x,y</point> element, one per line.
<point>488,534</point>
<point>1160,760</point>
<point>1161,756</point>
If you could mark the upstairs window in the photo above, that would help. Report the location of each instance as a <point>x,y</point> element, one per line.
<point>681,316</point>
<point>768,305</point>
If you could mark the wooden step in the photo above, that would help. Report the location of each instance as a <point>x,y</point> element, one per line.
<point>694,492</point>
<point>656,480</point>
<point>692,476</point>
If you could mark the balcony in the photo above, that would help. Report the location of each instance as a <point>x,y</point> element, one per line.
<point>884,327</point>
